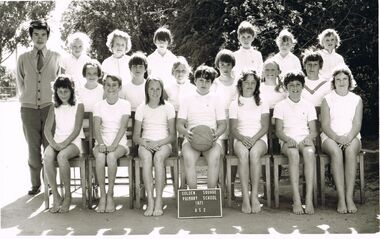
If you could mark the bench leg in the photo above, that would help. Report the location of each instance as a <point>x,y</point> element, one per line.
<point>323,182</point>
<point>276,184</point>
<point>362,182</point>
<point>229,198</point>
<point>268,182</point>
<point>137,188</point>
<point>131,184</point>
<point>83,183</point>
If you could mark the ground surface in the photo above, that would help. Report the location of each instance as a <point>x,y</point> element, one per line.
<point>24,215</point>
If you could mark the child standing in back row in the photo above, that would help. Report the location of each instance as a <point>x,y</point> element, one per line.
<point>79,43</point>
<point>119,43</point>
<point>161,61</point>
<point>247,57</point>
<point>287,61</point>
<point>329,39</point>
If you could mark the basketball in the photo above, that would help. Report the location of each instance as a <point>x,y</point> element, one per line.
<point>202,138</point>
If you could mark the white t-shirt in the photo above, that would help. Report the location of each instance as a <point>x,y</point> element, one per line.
<point>65,123</point>
<point>315,90</point>
<point>248,115</point>
<point>342,111</point>
<point>270,96</point>
<point>177,92</point>
<point>119,67</point>
<point>74,66</point>
<point>226,93</point>
<point>289,63</point>
<point>295,117</point>
<point>201,110</point>
<point>161,66</point>
<point>155,122</point>
<point>111,116</point>
<point>135,94</point>
<point>247,59</point>
<point>330,61</point>
<point>90,97</point>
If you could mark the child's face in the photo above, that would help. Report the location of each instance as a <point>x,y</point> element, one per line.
<point>111,87</point>
<point>249,86</point>
<point>329,42</point>
<point>64,95</point>
<point>342,82</point>
<point>294,89</point>
<point>271,71</point>
<point>225,68</point>
<point>162,46</point>
<point>91,74</point>
<point>119,47</point>
<point>286,46</point>
<point>138,71</point>
<point>154,90</point>
<point>39,38</point>
<point>246,40</point>
<point>203,85</point>
<point>181,74</point>
<point>76,48</point>
<point>312,69</point>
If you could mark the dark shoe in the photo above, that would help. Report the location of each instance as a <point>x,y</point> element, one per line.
<point>34,191</point>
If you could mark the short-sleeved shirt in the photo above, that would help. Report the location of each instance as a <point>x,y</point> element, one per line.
<point>155,121</point>
<point>161,66</point>
<point>315,90</point>
<point>295,117</point>
<point>248,59</point>
<point>135,94</point>
<point>74,66</point>
<point>330,61</point>
<point>248,116</point>
<point>90,97</point>
<point>289,63</point>
<point>270,96</point>
<point>201,110</point>
<point>111,116</point>
<point>226,93</point>
<point>119,67</point>
<point>177,92</point>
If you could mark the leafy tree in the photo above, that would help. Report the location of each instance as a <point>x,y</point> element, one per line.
<point>99,18</point>
<point>14,19</point>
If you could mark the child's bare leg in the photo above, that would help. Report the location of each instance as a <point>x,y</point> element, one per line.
<point>100,163</point>
<point>308,153</point>
<point>51,173</point>
<point>63,157</point>
<point>258,150</point>
<point>242,153</point>
<point>146,158</point>
<point>294,158</point>
<point>190,157</point>
<point>112,158</point>
<point>159,167</point>
<point>350,154</point>
<point>213,156</point>
<point>331,148</point>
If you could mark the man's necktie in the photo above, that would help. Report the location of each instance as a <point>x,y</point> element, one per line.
<point>40,60</point>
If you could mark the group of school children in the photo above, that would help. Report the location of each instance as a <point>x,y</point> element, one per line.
<point>234,99</point>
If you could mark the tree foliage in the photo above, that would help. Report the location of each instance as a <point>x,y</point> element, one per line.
<point>14,19</point>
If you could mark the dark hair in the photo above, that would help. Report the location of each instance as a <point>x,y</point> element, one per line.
<point>113,78</point>
<point>246,27</point>
<point>138,58</point>
<point>63,81</point>
<point>226,56</point>
<point>148,81</point>
<point>345,70</point>
<point>92,63</point>
<point>294,76</point>
<point>162,34</point>
<point>256,92</point>
<point>311,55</point>
<point>39,24</point>
<point>205,72</point>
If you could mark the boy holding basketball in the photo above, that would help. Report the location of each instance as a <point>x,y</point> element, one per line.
<point>201,108</point>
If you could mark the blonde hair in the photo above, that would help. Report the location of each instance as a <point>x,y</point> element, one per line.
<point>285,35</point>
<point>121,34</point>
<point>83,37</point>
<point>329,32</point>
